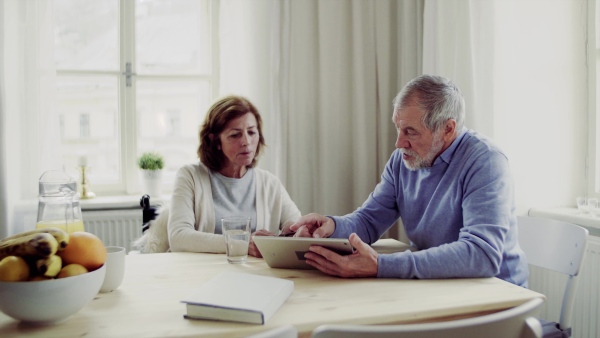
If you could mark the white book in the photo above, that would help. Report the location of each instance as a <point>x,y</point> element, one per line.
<point>239,297</point>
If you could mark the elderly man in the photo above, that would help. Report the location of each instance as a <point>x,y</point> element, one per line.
<point>452,188</point>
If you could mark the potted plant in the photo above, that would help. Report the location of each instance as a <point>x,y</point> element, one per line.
<point>151,165</point>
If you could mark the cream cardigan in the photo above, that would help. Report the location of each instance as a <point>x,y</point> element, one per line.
<point>191,223</point>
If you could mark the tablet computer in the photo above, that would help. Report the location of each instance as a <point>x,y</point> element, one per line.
<point>288,252</point>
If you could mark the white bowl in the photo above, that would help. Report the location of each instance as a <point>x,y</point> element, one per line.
<point>49,301</point>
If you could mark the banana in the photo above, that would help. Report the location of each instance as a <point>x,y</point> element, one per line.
<point>62,237</point>
<point>49,266</point>
<point>37,244</point>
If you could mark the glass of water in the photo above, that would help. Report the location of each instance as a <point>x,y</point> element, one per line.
<point>237,237</point>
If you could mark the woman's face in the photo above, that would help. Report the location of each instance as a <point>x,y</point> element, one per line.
<point>239,141</point>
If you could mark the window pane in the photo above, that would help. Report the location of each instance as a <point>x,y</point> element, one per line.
<point>172,37</point>
<point>169,115</point>
<point>86,34</point>
<point>88,109</point>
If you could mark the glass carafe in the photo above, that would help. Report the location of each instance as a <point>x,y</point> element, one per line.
<point>58,202</point>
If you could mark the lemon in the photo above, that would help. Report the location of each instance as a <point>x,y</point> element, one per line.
<point>72,270</point>
<point>13,269</point>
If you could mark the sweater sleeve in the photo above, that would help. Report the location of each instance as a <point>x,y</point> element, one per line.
<point>289,211</point>
<point>192,197</point>
<point>377,214</point>
<point>280,209</point>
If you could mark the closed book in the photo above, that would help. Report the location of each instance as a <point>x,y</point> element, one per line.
<point>238,297</point>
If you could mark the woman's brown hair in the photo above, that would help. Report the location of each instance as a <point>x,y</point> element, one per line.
<point>220,113</point>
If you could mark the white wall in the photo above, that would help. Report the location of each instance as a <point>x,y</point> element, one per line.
<point>540,105</point>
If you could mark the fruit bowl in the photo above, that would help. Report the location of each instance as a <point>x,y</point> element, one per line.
<point>50,301</point>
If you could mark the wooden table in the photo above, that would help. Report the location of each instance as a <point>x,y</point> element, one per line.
<point>147,304</point>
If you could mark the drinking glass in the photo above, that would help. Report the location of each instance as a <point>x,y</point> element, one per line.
<point>237,237</point>
<point>594,207</point>
<point>582,205</point>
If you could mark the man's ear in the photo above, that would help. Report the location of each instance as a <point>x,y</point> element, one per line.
<point>450,130</point>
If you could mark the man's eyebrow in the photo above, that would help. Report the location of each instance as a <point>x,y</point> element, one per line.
<point>407,127</point>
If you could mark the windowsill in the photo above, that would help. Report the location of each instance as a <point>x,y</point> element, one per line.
<point>119,202</point>
<point>571,215</point>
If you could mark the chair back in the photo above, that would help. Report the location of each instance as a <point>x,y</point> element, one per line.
<point>156,238</point>
<point>557,246</point>
<point>551,244</point>
<point>517,322</point>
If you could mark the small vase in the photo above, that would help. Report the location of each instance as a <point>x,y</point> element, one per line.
<point>152,182</point>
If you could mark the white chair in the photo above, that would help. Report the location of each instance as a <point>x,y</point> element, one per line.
<point>557,246</point>
<point>285,331</point>
<point>155,238</point>
<point>515,322</point>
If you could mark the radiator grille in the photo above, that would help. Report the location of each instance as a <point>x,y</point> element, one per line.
<point>586,311</point>
<point>115,227</point>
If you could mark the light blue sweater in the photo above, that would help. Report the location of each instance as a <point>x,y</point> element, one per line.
<point>459,213</point>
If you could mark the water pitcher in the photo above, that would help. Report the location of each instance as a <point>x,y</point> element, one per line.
<point>58,202</point>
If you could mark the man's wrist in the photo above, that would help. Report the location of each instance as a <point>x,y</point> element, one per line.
<point>334,224</point>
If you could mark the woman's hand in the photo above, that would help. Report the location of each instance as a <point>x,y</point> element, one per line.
<point>252,249</point>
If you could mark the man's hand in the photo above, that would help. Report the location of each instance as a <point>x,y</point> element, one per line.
<point>252,249</point>
<point>313,225</point>
<point>362,263</point>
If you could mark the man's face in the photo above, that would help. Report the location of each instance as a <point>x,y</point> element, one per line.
<point>419,146</point>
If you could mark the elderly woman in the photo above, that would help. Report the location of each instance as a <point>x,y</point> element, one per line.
<point>226,183</point>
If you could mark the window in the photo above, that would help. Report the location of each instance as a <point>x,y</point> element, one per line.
<point>84,126</point>
<point>132,76</point>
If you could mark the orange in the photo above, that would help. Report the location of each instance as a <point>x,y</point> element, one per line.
<point>84,248</point>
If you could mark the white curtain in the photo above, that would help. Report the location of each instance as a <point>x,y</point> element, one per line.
<point>30,129</point>
<point>459,44</point>
<point>329,71</point>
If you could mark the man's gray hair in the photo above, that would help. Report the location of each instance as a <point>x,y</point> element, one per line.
<point>437,96</point>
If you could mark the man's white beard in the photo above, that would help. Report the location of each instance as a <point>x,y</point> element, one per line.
<point>419,162</point>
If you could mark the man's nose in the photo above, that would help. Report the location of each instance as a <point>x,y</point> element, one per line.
<point>402,141</point>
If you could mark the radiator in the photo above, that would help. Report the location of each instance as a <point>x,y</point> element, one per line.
<point>115,227</point>
<point>586,311</point>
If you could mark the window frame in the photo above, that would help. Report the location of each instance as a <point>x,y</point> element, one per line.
<point>593,155</point>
